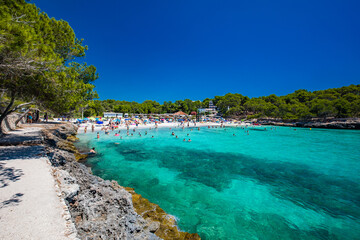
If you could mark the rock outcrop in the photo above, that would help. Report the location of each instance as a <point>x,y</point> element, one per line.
<point>159,222</point>
<point>8,123</point>
<point>350,123</point>
<point>103,209</point>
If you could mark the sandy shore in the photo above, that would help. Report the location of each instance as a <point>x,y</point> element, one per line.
<point>30,206</point>
<point>98,127</point>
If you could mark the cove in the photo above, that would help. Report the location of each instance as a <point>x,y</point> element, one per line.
<point>281,183</point>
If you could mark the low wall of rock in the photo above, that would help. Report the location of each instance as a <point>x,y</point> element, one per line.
<point>351,123</point>
<point>8,123</point>
<point>103,209</point>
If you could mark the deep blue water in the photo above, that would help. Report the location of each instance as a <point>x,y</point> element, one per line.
<point>268,184</point>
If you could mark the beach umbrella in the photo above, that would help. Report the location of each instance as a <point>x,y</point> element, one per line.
<point>92,118</point>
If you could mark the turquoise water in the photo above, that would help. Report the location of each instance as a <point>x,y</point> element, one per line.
<point>273,184</point>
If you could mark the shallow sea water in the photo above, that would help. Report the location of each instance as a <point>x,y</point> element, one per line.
<point>270,184</point>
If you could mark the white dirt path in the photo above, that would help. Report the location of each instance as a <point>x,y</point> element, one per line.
<point>30,207</point>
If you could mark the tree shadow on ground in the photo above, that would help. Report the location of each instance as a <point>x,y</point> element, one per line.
<point>13,201</point>
<point>21,152</point>
<point>9,174</point>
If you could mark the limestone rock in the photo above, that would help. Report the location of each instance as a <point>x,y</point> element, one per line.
<point>163,224</point>
<point>72,138</point>
<point>59,157</point>
<point>68,185</point>
<point>102,209</point>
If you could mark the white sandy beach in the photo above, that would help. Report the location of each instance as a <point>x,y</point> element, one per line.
<point>98,127</point>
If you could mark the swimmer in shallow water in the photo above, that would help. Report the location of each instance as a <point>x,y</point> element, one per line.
<point>92,150</point>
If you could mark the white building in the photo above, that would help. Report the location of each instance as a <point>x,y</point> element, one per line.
<point>112,115</point>
<point>211,109</point>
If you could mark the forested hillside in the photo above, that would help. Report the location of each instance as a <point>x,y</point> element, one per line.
<point>302,104</point>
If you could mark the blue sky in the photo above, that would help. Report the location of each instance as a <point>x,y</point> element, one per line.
<point>169,50</point>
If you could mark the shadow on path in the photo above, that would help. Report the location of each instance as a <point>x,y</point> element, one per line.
<point>13,201</point>
<point>9,174</point>
<point>21,152</point>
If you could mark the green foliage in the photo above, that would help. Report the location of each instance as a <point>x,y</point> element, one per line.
<point>230,100</point>
<point>37,61</point>
<point>302,104</point>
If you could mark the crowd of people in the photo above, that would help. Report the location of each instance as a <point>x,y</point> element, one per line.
<point>34,117</point>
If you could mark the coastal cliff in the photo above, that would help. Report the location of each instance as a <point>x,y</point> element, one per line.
<point>346,123</point>
<point>103,209</point>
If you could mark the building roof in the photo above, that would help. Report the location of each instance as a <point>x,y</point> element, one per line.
<point>180,113</point>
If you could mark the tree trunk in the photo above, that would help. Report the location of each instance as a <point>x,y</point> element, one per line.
<point>22,115</point>
<point>6,112</point>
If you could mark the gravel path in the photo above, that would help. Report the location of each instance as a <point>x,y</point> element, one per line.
<point>30,207</point>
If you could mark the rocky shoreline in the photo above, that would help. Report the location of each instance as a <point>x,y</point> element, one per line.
<point>103,209</point>
<point>350,123</point>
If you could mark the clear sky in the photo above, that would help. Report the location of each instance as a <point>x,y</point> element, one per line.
<point>170,50</point>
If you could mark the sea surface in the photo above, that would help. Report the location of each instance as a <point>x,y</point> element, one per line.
<point>262,183</point>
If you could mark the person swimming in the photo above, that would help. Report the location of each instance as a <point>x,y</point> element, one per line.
<point>92,151</point>
<point>189,140</point>
<point>98,135</point>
